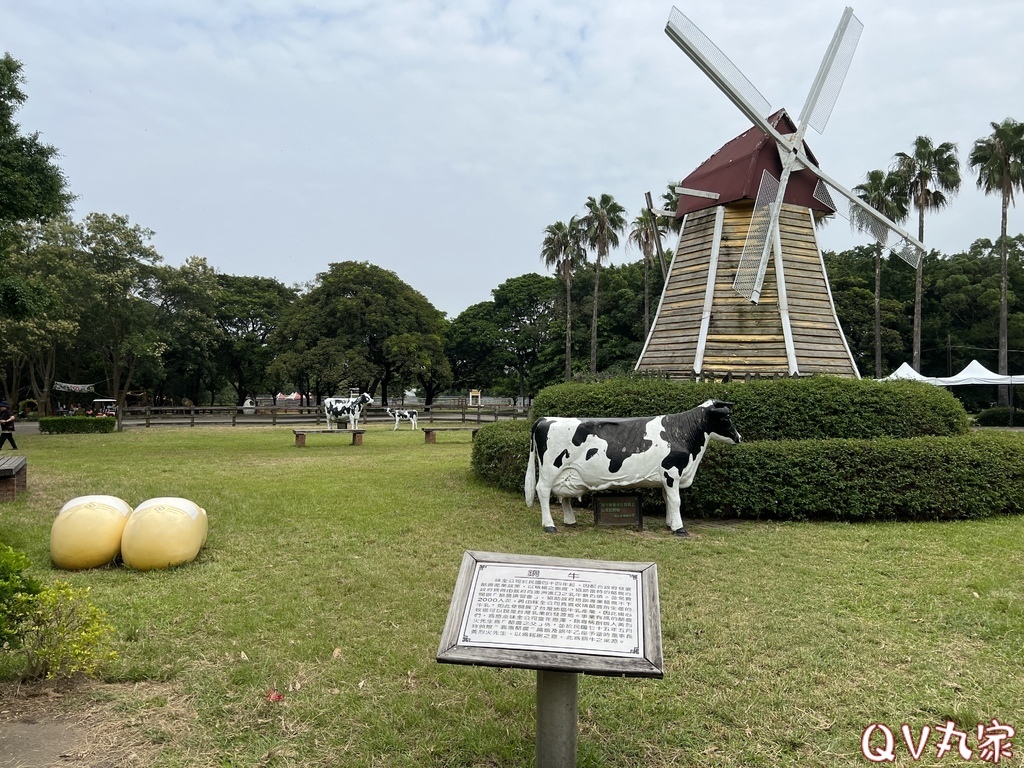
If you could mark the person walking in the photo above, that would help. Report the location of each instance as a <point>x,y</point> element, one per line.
<point>7,425</point>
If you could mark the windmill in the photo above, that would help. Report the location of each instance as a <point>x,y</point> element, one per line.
<point>747,290</point>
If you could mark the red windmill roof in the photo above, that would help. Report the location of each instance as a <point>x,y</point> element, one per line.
<point>734,171</point>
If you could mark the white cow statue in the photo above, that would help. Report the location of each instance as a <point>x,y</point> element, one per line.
<point>409,416</point>
<point>351,408</point>
<point>577,456</point>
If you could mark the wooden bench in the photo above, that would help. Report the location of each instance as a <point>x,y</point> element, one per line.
<point>300,435</point>
<point>13,477</point>
<point>430,436</point>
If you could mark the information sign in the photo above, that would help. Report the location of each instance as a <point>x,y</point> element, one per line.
<point>621,510</point>
<point>593,616</point>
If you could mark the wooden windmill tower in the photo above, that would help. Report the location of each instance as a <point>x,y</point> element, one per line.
<point>747,291</point>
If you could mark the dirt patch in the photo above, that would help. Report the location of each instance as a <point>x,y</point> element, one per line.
<point>75,725</point>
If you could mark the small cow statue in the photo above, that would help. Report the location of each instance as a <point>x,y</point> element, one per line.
<point>336,408</point>
<point>581,455</point>
<point>409,416</point>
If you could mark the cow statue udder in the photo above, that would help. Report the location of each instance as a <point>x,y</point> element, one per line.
<point>576,456</point>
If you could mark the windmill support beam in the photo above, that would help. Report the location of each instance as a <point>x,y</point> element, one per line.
<point>709,292</point>
<point>787,328</point>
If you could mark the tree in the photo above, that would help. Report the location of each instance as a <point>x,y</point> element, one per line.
<point>642,235</point>
<point>121,318</point>
<point>474,349</point>
<point>523,311</point>
<point>671,199</point>
<point>886,193</point>
<point>47,255</point>
<point>187,298</point>
<point>602,222</point>
<point>562,250</point>
<point>929,172</point>
<point>998,159</point>
<point>420,357</point>
<point>247,313</point>
<point>32,187</point>
<point>343,323</point>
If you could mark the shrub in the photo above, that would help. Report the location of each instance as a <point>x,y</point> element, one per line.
<point>928,478</point>
<point>500,452</point>
<point>817,407</point>
<point>66,425</point>
<point>64,634</point>
<point>998,417</point>
<point>16,593</point>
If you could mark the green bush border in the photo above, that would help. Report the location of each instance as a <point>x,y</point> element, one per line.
<point>67,425</point>
<point>880,450</point>
<point>818,407</point>
<point>929,478</point>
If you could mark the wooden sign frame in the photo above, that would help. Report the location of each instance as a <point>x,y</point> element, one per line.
<point>599,617</point>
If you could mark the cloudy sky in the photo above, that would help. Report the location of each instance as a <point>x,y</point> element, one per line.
<point>438,139</point>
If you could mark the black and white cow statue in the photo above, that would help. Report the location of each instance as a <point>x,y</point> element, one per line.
<point>409,416</point>
<point>577,456</point>
<point>351,408</point>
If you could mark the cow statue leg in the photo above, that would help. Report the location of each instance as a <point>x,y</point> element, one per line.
<point>568,515</point>
<point>673,517</point>
<point>544,495</point>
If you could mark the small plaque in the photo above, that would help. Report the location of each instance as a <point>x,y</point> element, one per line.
<point>564,614</point>
<point>621,510</point>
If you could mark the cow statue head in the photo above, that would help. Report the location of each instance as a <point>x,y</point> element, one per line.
<point>720,425</point>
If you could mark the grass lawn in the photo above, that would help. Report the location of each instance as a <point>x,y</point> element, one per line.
<point>328,573</point>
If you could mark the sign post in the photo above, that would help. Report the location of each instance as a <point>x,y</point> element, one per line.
<point>559,616</point>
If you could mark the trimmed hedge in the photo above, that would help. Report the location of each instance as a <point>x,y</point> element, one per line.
<point>500,453</point>
<point>878,450</point>
<point>818,407</point>
<point>928,478</point>
<point>999,417</point>
<point>66,425</point>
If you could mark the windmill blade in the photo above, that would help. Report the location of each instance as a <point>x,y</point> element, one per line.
<point>832,73</point>
<point>754,259</point>
<point>869,220</point>
<point>725,75</point>
<point>717,66</point>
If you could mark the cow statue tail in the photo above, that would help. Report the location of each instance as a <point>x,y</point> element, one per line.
<point>531,473</point>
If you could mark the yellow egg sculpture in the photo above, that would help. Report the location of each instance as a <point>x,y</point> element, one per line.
<point>87,532</point>
<point>162,533</point>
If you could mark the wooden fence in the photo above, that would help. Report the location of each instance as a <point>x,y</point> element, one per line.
<point>231,415</point>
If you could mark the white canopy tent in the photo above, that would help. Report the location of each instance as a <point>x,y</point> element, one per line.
<point>906,372</point>
<point>973,373</point>
<point>976,373</point>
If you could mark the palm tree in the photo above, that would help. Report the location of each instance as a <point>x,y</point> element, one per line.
<point>998,160</point>
<point>602,223</point>
<point>886,192</point>
<point>641,234</point>
<point>562,250</point>
<point>929,171</point>
<point>671,199</point>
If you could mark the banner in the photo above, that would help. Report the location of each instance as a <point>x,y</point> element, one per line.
<point>60,386</point>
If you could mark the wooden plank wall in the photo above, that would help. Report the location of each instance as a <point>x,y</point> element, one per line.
<point>745,338</point>
<point>817,337</point>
